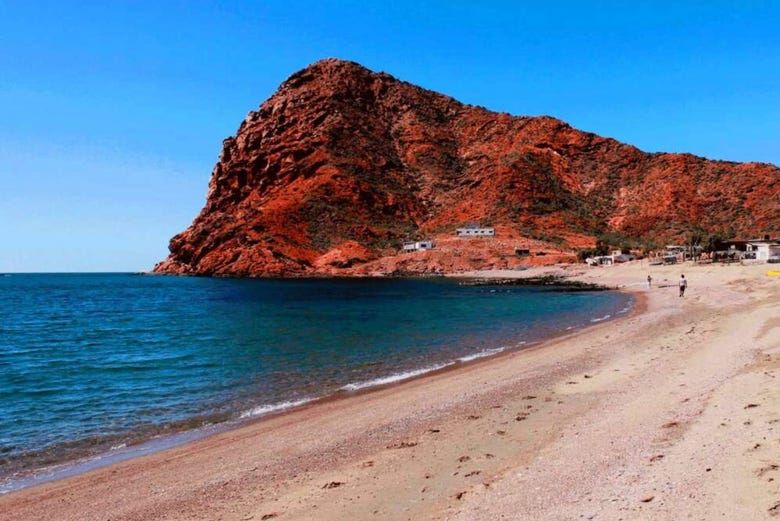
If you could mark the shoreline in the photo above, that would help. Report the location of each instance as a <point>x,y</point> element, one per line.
<point>630,419</point>
<point>145,446</point>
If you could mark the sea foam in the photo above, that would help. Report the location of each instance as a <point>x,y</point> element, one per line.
<point>397,377</point>
<point>262,410</point>
<point>482,354</point>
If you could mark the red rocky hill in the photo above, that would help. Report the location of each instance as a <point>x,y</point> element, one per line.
<point>342,164</point>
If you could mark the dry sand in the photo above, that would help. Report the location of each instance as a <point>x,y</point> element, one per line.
<point>670,413</point>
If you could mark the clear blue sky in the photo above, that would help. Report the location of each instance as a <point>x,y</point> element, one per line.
<point>112,114</point>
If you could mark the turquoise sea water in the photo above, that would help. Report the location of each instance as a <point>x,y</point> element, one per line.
<point>91,362</point>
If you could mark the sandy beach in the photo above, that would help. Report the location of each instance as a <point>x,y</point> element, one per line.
<point>672,412</point>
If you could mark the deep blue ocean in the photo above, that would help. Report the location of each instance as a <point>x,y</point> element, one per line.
<point>94,361</point>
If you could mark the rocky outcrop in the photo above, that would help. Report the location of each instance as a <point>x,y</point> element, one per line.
<point>342,164</point>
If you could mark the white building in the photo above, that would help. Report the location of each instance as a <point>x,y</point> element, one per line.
<point>600,260</point>
<point>619,256</point>
<point>418,246</point>
<point>475,231</point>
<point>764,249</point>
<point>608,260</point>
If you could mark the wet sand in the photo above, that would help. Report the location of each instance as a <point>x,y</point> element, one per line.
<point>670,413</point>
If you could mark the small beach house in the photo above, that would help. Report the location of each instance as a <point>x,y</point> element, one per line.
<point>600,260</point>
<point>682,253</point>
<point>418,246</point>
<point>615,257</point>
<point>474,230</point>
<point>764,250</point>
<point>622,257</point>
<point>676,251</point>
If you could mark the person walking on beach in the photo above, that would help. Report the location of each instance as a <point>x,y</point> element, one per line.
<point>683,285</point>
<point>649,281</point>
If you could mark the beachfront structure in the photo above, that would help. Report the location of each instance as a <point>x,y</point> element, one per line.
<point>473,230</point>
<point>418,246</point>
<point>608,260</point>
<point>619,256</point>
<point>674,249</point>
<point>623,257</point>
<point>764,250</point>
<point>681,253</point>
<point>600,260</point>
<point>733,245</point>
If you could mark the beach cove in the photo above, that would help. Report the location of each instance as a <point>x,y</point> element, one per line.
<point>671,412</point>
<point>96,368</point>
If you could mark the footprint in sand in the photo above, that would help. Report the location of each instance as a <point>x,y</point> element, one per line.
<point>333,484</point>
<point>768,468</point>
<point>402,445</point>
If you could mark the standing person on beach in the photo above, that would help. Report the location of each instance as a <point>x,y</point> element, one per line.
<point>649,281</point>
<point>683,285</point>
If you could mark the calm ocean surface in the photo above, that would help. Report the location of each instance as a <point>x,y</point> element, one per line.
<point>90,362</point>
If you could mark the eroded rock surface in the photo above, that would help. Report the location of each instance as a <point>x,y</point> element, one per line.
<point>342,164</point>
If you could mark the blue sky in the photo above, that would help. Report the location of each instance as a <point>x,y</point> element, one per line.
<point>112,114</point>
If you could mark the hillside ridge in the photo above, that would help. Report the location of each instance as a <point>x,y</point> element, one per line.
<point>341,165</point>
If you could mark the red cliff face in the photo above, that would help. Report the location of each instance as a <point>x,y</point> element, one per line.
<point>342,164</point>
